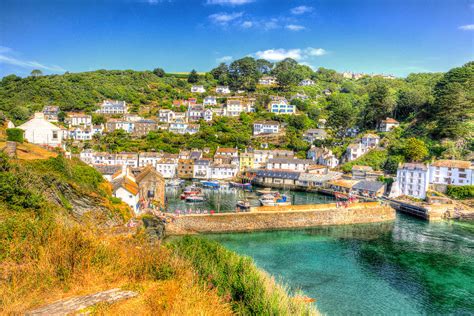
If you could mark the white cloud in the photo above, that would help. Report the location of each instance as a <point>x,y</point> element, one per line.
<point>4,49</point>
<point>247,24</point>
<point>224,18</point>
<point>279,54</point>
<point>294,27</point>
<point>296,53</point>
<point>271,25</point>
<point>27,64</point>
<point>468,27</point>
<point>224,59</point>
<point>301,9</point>
<point>310,51</point>
<point>229,2</point>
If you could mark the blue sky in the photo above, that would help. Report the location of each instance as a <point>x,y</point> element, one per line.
<point>372,36</point>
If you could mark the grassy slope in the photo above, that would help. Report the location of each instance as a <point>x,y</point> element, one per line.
<point>47,252</point>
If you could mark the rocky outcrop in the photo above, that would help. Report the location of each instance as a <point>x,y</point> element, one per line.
<point>76,304</point>
<point>154,228</point>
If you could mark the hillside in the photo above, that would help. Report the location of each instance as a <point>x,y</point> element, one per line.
<point>62,235</point>
<point>435,108</point>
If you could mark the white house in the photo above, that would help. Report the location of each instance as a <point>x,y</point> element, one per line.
<point>413,179</point>
<point>280,105</point>
<point>78,119</point>
<point>262,156</point>
<point>306,82</point>
<point>167,167</point>
<point>51,113</point>
<point>125,187</point>
<point>80,133</point>
<point>210,100</point>
<point>354,151</point>
<point>116,124</point>
<point>197,112</point>
<point>112,107</point>
<point>267,81</point>
<point>202,169</point>
<point>222,89</point>
<point>39,131</point>
<point>266,127</point>
<point>323,156</point>
<point>166,116</point>
<point>235,106</point>
<point>370,140</point>
<point>198,89</point>
<point>314,134</point>
<point>388,124</point>
<point>224,171</point>
<point>454,172</point>
<point>289,164</point>
<point>227,152</point>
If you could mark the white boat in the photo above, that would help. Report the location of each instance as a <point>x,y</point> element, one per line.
<point>265,191</point>
<point>174,182</point>
<point>272,200</point>
<point>195,198</point>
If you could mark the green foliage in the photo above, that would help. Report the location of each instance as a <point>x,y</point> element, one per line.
<point>15,135</point>
<point>244,74</point>
<point>193,76</point>
<point>415,149</point>
<point>375,158</point>
<point>461,192</point>
<point>237,278</point>
<point>36,73</point>
<point>221,74</point>
<point>159,72</point>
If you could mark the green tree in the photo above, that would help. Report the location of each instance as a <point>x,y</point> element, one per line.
<point>193,76</point>
<point>221,74</point>
<point>244,74</point>
<point>415,149</point>
<point>287,73</point>
<point>264,66</point>
<point>159,72</point>
<point>36,73</point>
<point>380,104</point>
<point>343,114</point>
<point>454,104</point>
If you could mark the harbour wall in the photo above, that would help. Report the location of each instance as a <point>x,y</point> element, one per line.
<point>281,217</point>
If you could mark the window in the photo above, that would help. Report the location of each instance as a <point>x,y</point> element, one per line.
<point>55,135</point>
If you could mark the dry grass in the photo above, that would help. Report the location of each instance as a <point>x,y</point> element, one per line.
<point>74,262</point>
<point>28,151</point>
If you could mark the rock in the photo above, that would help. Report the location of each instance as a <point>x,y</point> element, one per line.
<point>71,305</point>
<point>154,227</point>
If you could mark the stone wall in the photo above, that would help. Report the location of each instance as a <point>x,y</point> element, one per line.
<point>280,217</point>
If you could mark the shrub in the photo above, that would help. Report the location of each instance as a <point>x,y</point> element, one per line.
<point>15,135</point>
<point>461,192</point>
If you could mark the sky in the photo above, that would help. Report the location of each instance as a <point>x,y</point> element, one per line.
<point>371,36</point>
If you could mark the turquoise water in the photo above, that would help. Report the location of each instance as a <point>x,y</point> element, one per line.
<point>408,267</point>
<point>225,199</point>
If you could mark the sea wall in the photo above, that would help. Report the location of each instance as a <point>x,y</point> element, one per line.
<point>281,217</point>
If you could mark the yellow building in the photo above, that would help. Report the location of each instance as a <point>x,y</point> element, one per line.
<point>246,161</point>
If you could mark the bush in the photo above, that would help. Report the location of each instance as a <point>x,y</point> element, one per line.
<point>15,135</point>
<point>461,192</point>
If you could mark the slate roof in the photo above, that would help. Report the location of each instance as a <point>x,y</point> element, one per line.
<point>292,175</point>
<point>371,186</point>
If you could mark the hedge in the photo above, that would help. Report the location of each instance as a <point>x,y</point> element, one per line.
<point>461,192</point>
<point>15,135</point>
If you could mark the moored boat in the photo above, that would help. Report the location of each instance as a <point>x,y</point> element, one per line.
<point>194,198</point>
<point>243,204</point>
<point>266,191</point>
<point>210,184</point>
<point>240,185</point>
<point>272,200</point>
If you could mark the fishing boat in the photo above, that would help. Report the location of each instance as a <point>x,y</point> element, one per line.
<point>195,198</point>
<point>243,204</point>
<point>240,185</point>
<point>274,200</point>
<point>190,190</point>
<point>266,191</point>
<point>210,184</point>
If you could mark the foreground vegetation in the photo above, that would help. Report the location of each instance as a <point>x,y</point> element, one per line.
<point>50,249</point>
<point>250,291</point>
